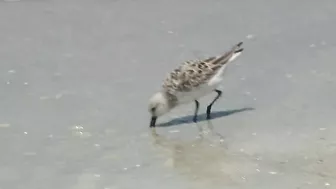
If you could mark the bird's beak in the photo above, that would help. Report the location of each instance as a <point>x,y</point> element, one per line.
<point>153,121</point>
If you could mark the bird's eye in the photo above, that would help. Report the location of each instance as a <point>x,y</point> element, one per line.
<point>153,109</point>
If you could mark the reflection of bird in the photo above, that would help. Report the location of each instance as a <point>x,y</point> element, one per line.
<point>191,81</point>
<point>206,162</point>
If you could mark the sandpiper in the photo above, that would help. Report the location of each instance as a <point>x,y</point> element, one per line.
<point>191,81</point>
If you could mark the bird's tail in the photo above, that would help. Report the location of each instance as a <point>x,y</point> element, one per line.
<point>230,55</point>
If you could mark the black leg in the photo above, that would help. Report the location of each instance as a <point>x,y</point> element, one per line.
<point>219,93</point>
<point>196,111</point>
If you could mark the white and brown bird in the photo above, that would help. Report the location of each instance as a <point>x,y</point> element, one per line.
<point>191,81</point>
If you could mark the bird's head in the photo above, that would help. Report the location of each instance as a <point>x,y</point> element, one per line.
<point>158,105</point>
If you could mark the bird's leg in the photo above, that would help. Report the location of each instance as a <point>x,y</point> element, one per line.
<point>196,111</point>
<point>219,93</point>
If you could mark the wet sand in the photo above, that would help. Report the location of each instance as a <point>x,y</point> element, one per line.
<point>76,77</point>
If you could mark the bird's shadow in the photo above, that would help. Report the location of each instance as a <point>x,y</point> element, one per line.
<point>201,117</point>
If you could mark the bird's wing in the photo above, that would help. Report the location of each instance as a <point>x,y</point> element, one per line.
<point>193,73</point>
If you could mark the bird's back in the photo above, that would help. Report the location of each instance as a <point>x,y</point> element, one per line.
<point>199,76</point>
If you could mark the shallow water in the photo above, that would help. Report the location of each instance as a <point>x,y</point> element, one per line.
<point>75,79</point>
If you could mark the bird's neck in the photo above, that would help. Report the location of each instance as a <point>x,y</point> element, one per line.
<point>171,99</point>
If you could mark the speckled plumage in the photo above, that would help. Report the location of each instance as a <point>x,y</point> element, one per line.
<point>193,74</point>
<point>191,81</point>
